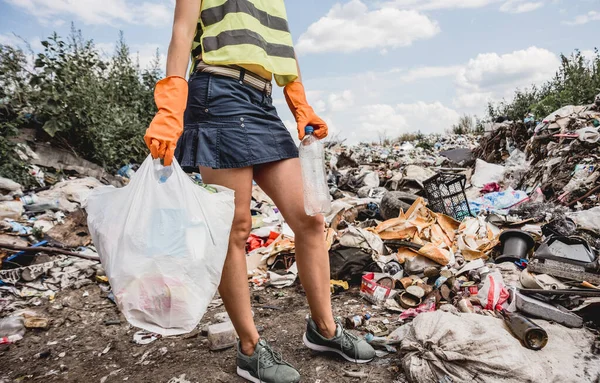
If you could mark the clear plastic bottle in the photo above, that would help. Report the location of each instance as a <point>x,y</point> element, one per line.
<point>312,159</point>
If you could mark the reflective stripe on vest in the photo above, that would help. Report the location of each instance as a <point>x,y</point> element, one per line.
<point>254,32</point>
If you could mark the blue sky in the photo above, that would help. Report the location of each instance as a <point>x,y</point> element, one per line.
<point>371,67</point>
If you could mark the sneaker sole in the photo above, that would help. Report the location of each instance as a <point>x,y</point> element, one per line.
<point>246,375</point>
<point>317,347</point>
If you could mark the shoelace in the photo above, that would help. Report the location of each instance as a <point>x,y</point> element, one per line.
<point>348,340</point>
<point>268,357</point>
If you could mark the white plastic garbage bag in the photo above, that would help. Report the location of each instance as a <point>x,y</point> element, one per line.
<point>486,173</point>
<point>162,241</point>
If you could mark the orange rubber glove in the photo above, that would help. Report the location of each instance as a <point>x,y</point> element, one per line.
<point>303,113</point>
<point>170,96</point>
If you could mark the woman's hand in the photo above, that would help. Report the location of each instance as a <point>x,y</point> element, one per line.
<point>161,136</point>
<point>302,111</point>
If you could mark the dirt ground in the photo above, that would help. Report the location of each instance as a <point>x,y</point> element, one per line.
<point>80,347</point>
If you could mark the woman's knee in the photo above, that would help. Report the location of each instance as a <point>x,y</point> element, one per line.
<point>240,229</point>
<point>306,224</point>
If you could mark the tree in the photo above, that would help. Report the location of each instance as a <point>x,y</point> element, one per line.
<point>96,108</point>
<point>465,125</point>
<point>576,82</point>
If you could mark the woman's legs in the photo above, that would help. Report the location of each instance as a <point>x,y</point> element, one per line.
<point>282,181</point>
<point>234,281</point>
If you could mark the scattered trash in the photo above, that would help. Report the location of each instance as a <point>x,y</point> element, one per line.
<point>37,322</point>
<point>373,291</point>
<point>516,244</point>
<point>530,334</point>
<point>455,242</point>
<point>11,326</point>
<point>356,321</point>
<point>145,337</point>
<point>221,336</point>
<point>446,195</point>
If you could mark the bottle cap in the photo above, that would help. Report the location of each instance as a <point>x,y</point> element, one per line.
<point>309,130</point>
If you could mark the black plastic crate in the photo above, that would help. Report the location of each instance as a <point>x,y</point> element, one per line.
<point>446,194</point>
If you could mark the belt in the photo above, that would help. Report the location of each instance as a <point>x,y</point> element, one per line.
<point>241,74</point>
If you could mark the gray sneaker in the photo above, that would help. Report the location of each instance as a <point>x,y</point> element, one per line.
<point>344,343</point>
<point>265,366</point>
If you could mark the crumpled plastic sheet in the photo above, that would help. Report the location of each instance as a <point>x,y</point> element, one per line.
<point>498,202</point>
<point>71,194</point>
<point>61,273</point>
<point>486,173</point>
<point>362,239</point>
<point>587,219</point>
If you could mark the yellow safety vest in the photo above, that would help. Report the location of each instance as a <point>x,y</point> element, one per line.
<point>246,32</point>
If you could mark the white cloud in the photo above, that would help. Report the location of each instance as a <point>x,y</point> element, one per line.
<point>314,97</point>
<point>381,119</point>
<point>584,19</point>
<point>96,12</point>
<point>16,41</point>
<point>324,102</point>
<point>353,27</point>
<point>146,54</point>
<point>491,76</point>
<point>520,6</point>
<point>523,67</point>
<point>428,117</point>
<point>428,5</point>
<point>156,13</point>
<point>589,54</point>
<point>473,101</point>
<point>511,6</point>
<point>428,72</point>
<point>392,121</point>
<point>10,39</point>
<point>429,98</point>
<point>339,102</point>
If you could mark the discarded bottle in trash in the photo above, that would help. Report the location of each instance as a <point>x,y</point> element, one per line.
<point>162,172</point>
<point>42,205</point>
<point>380,340</point>
<point>530,334</point>
<point>29,199</point>
<point>355,321</point>
<point>312,159</point>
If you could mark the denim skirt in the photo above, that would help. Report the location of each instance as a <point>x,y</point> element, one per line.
<point>228,124</point>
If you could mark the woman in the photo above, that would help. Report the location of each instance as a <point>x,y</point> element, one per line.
<point>234,135</point>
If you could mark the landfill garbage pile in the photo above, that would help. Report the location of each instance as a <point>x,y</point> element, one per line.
<point>448,243</point>
<point>557,156</point>
<point>501,235</point>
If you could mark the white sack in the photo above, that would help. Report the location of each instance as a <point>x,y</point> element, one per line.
<point>477,348</point>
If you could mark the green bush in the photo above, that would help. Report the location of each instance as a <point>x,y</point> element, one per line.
<point>96,108</point>
<point>14,97</point>
<point>577,82</point>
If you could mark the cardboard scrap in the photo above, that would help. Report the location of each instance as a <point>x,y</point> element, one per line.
<point>436,232</point>
<point>476,238</point>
